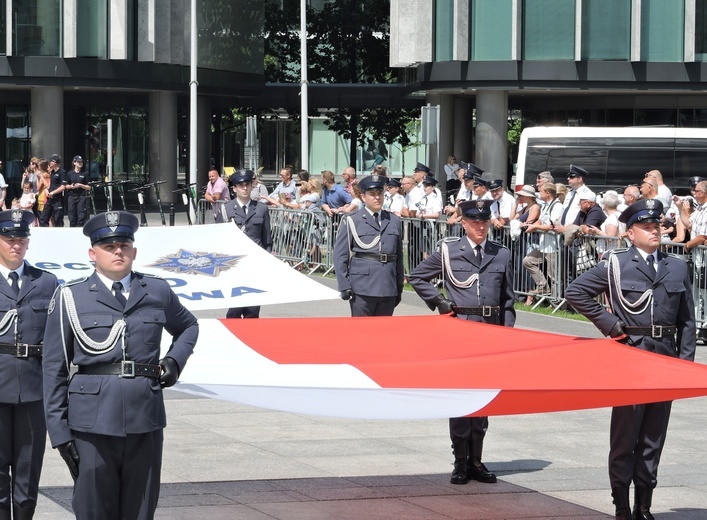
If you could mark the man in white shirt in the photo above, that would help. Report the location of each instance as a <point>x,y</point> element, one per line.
<point>570,208</point>
<point>664,194</point>
<point>502,204</point>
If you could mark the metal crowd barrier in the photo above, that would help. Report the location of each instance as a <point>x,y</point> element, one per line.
<point>305,239</point>
<point>205,213</point>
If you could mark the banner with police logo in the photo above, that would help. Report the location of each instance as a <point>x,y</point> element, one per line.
<point>213,266</point>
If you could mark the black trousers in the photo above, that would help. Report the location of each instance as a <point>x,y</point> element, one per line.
<point>119,477</point>
<point>54,207</point>
<point>372,305</point>
<point>469,431</point>
<point>76,207</point>
<point>23,435</point>
<point>243,312</point>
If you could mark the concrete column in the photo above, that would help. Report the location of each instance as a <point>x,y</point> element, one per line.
<point>163,144</point>
<point>47,111</point>
<point>463,129</point>
<point>203,132</point>
<point>446,134</point>
<point>118,33</point>
<point>492,131</point>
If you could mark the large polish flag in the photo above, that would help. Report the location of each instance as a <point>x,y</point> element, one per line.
<point>422,367</point>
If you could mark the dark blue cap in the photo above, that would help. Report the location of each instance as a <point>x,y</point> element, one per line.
<point>494,184</point>
<point>645,210</point>
<point>241,176</point>
<point>112,226</point>
<point>15,222</point>
<point>395,183</point>
<point>469,175</point>
<point>422,168</point>
<point>372,182</point>
<point>479,209</point>
<point>474,169</point>
<point>576,171</point>
<point>478,181</point>
<point>429,180</point>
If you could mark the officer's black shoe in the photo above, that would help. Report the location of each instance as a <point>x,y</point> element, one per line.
<point>459,475</point>
<point>22,513</point>
<point>623,513</point>
<point>642,513</point>
<point>479,472</point>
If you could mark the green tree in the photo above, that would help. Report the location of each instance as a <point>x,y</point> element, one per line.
<point>348,43</point>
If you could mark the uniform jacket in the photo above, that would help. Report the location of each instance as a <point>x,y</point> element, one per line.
<point>256,222</point>
<point>672,303</point>
<point>21,378</point>
<point>361,275</point>
<point>110,405</point>
<point>495,279</point>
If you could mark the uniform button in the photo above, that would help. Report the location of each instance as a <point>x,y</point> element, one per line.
<point>81,387</point>
<point>95,322</point>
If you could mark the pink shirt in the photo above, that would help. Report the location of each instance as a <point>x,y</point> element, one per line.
<point>221,188</point>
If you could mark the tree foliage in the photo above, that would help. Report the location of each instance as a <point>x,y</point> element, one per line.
<point>348,43</point>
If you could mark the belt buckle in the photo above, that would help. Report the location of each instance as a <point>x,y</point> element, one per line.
<point>486,311</point>
<point>127,369</point>
<point>22,350</point>
<point>656,331</point>
<point>383,258</point>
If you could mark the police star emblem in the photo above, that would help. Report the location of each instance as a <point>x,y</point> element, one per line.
<point>197,262</point>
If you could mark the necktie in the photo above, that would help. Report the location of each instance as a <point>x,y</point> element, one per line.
<point>245,209</point>
<point>477,255</point>
<point>651,266</point>
<point>564,213</point>
<point>118,289</point>
<point>375,217</point>
<point>15,282</point>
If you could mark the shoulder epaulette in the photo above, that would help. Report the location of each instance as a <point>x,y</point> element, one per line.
<point>74,282</point>
<point>148,275</point>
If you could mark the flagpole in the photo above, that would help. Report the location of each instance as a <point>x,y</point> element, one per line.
<point>304,107</point>
<point>193,84</point>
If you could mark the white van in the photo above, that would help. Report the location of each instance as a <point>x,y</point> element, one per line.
<point>614,157</point>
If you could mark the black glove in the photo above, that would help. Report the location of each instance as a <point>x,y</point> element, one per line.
<point>70,455</point>
<point>442,304</point>
<point>346,294</point>
<point>617,331</point>
<point>170,371</point>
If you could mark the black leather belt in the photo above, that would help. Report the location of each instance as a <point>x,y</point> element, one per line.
<point>21,350</point>
<point>127,369</point>
<point>485,310</point>
<point>654,331</point>
<point>382,258</point>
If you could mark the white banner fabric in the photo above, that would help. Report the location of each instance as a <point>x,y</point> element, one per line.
<point>212,266</point>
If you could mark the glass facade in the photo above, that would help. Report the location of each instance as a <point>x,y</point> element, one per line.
<point>662,30</point>
<point>490,34</point>
<point>36,27</point>
<point>17,147</point>
<point>92,28</point>
<point>3,28</point>
<point>548,29</point>
<point>701,30</point>
<point>606,30</point>
<point>230,35</point>
<point>444,29</point>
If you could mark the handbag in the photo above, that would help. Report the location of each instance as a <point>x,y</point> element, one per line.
<point>585,259</point>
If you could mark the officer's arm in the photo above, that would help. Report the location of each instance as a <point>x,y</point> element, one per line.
<point>182,326</point>
<point>686,338</point>
<point>421,276</point>
<point>582,293</point>
<point>56,374</point>
<point>508,296</point>
<point>341,257</point>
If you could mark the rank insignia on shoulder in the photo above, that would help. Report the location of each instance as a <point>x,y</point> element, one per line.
<point>449,240</point>
<point>74,282</point>
<point>52,305</point>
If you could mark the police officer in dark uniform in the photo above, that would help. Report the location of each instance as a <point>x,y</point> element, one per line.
<point>253,218</point>
<point>368,254</point>
<point>54,206</point>
<point>651,305</point>
<point>25,292</point>
<point>478,276</point>
<point>76,190</point>
<point>107,419</point>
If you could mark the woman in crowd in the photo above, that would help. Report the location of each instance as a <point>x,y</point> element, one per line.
<point>393,199</point>
<point>258,192</point>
